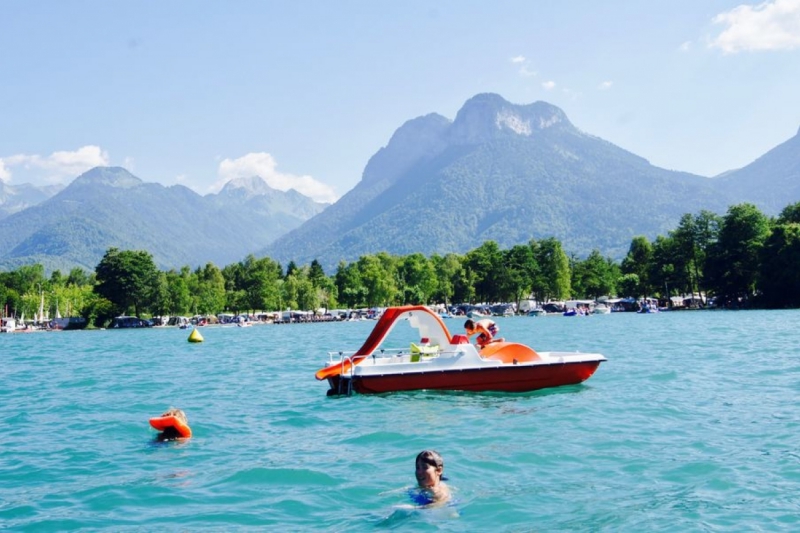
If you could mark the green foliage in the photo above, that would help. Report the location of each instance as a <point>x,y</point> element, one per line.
<point>417,277</point>
<point>519,270</point>
<point>744,258</point>
<point>553,281</point>
<point>447,270</point>
<point>485,264</point>
<point>377,275</point>
<point>790,214</point>
<point>349,286</point>
<point>779,277</point>
<point>128,279</point>
<point>596,276</point>
<point>638,260</point>
<point>733,261</point>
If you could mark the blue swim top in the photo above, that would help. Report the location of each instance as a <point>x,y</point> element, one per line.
<point>420,497</point>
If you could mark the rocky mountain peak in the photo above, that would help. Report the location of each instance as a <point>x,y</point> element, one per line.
<point>486,116</point>
<point>247,187</point>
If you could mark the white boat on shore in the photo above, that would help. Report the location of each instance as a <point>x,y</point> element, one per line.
<point>601,309</point>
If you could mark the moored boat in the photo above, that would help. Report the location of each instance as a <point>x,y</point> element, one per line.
<point>601,309</point>
<point>441,361</point>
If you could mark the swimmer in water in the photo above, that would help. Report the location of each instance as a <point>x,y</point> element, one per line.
<point>432,490</point>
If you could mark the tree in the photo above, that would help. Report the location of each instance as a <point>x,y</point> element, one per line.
<point>79,277</point>
<point>667,268</point>
<point>418,279</point>
<point>553,282</point>
<point>327,294</point>
<point>628,284</point>
<point>291,268</point>
<point>706,234</point>
<point>594,277</point>
<point>447,269</point>
<point>790,214</point>
<point>779,276</point>
<point>316,274</point>
<point>208,290</point>
<point>177,296</point>
<point>486,264</point>
<point>261,283</point>
<point>521,269</point>
<point>299,292</point>
<point>734,262</point>
<point>377,275</point>
<point>128,279</point>
<point>348,284</point>
<point>640,255</point>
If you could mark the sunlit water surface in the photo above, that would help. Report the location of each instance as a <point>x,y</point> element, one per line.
<point>691,425</point>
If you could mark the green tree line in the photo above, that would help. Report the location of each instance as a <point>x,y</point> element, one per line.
<point>742,259</point>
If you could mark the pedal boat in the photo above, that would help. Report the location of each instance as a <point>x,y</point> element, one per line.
<point>441,361</point>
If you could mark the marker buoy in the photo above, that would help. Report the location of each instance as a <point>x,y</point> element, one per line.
<point>195,336</point>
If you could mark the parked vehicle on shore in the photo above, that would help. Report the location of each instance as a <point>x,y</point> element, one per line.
<point>125,322</point>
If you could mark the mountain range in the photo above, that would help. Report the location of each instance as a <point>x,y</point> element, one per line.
<point>109,206</point>
<point>498,171</point>
<point>15,198</point>
<point>510,173</point>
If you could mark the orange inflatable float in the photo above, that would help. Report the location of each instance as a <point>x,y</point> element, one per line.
<point>168,424</point>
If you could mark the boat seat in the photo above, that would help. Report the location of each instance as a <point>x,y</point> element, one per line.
<point>418,351</point>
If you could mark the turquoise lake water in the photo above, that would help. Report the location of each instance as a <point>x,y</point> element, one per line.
<point>691,425</point>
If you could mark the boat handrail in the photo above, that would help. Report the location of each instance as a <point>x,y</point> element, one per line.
<point>383,353</point>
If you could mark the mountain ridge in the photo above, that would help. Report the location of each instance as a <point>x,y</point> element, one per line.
<point>110,207</point>
<point>506,172</point>
<point>498,171</point>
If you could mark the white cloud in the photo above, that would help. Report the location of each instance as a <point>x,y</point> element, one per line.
<point>685,46</point>
<point>263,164</point>
<point>605,85</point>
<point>524,69</point>
<point>549,85</point>
<point>58,167</point>
<point>5,175</point>
<point>772,25</point>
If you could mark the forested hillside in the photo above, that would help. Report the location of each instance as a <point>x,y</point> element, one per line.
<point>501,172</point>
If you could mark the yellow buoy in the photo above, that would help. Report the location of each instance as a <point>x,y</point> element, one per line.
<point>195,336</point>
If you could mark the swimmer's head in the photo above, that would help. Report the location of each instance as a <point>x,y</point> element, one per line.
<point>469,325</point>
<point>177,413</point>
<point>429,468</point>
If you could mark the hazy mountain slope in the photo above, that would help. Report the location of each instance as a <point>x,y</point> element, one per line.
<point>15,198</point>
<point>108,207</point>
<point>771,182</point>
<point>417,140</point>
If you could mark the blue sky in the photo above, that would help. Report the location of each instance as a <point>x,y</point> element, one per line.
<point>304,93</point>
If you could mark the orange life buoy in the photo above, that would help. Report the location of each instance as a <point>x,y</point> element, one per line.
<point>162,423</point>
